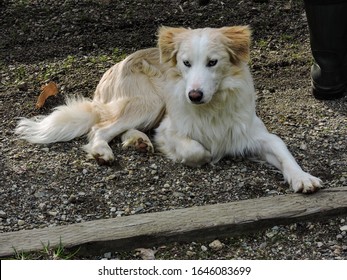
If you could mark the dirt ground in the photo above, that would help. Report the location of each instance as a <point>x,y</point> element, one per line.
<point>73,42</point>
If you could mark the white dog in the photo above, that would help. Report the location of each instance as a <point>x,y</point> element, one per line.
<point>196,86</point>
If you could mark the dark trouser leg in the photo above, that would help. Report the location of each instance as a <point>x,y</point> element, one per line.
<point>327,21</point>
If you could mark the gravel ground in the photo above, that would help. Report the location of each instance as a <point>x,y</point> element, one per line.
<point>74,42</point>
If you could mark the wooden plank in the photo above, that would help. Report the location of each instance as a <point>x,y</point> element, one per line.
<point>189,224</point>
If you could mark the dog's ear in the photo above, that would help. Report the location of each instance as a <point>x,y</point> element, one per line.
<point>168,42</point>
<point>237,40</point>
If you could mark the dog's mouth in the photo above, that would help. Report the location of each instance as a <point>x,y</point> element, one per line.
<point>198,103</point>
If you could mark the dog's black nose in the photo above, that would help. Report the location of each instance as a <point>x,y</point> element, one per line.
<point>195,95</point>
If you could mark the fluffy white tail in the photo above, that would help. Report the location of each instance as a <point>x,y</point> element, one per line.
<point>65,123</point>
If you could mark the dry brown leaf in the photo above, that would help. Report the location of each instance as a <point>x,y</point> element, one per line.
<point>46,91</point>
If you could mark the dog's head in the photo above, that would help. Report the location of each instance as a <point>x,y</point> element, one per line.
<point>204,57</point>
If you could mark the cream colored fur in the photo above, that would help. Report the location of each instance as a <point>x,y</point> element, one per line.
<point>196,86</point>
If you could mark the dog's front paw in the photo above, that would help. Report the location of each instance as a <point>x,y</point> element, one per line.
<point>306,183</point>
<point>138,140</point>
<point>196,157</point>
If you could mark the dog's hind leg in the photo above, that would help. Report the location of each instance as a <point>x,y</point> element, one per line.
<point>275,152</point>
<point>134,114</point>
<point>138,140</point>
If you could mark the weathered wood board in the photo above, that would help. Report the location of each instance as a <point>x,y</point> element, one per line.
<point>189,224</point>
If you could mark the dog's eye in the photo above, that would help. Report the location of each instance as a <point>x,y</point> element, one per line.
<point>187,63</point>
<point>212,62</point>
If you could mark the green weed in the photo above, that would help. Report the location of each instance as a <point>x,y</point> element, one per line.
<point>47,253</point>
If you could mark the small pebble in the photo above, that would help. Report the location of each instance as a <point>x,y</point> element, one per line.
<point>263,245</point>
<point>154,166</point>
<point>138,209</point>
<point>52,213</point>
<point>42,206</point>
<point>23,86</point>
<point>303,146</point>
<point>343,228</point>
<point>72,199</point>
<point>119,213</point>
<point>3,214</point>
<point>216,245</point>
<point>204,248</point>
<point>270,234</point>
<point>111,177</point>
<point>190,253</point>
<point>178,194</point>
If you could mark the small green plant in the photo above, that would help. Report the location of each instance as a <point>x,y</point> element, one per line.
<point>118,55</point>
<point>287,37</point>
<point>47,253</point>
<point>69,61</point>
<point>23,2</point>
<point>20,255</point>
<point>263,43</point>
<point>20,73</point>
<point>47,72</point>
<point>58,253</point>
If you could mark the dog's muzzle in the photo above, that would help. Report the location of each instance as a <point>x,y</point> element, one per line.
<point>196,95</point>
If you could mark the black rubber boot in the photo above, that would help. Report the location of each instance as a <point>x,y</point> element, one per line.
<point>327,21</point>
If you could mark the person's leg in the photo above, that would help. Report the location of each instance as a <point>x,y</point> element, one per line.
<point>327,21</point>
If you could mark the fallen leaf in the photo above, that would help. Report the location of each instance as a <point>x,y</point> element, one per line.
<point>146,254</point>
<point>46,91</point>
